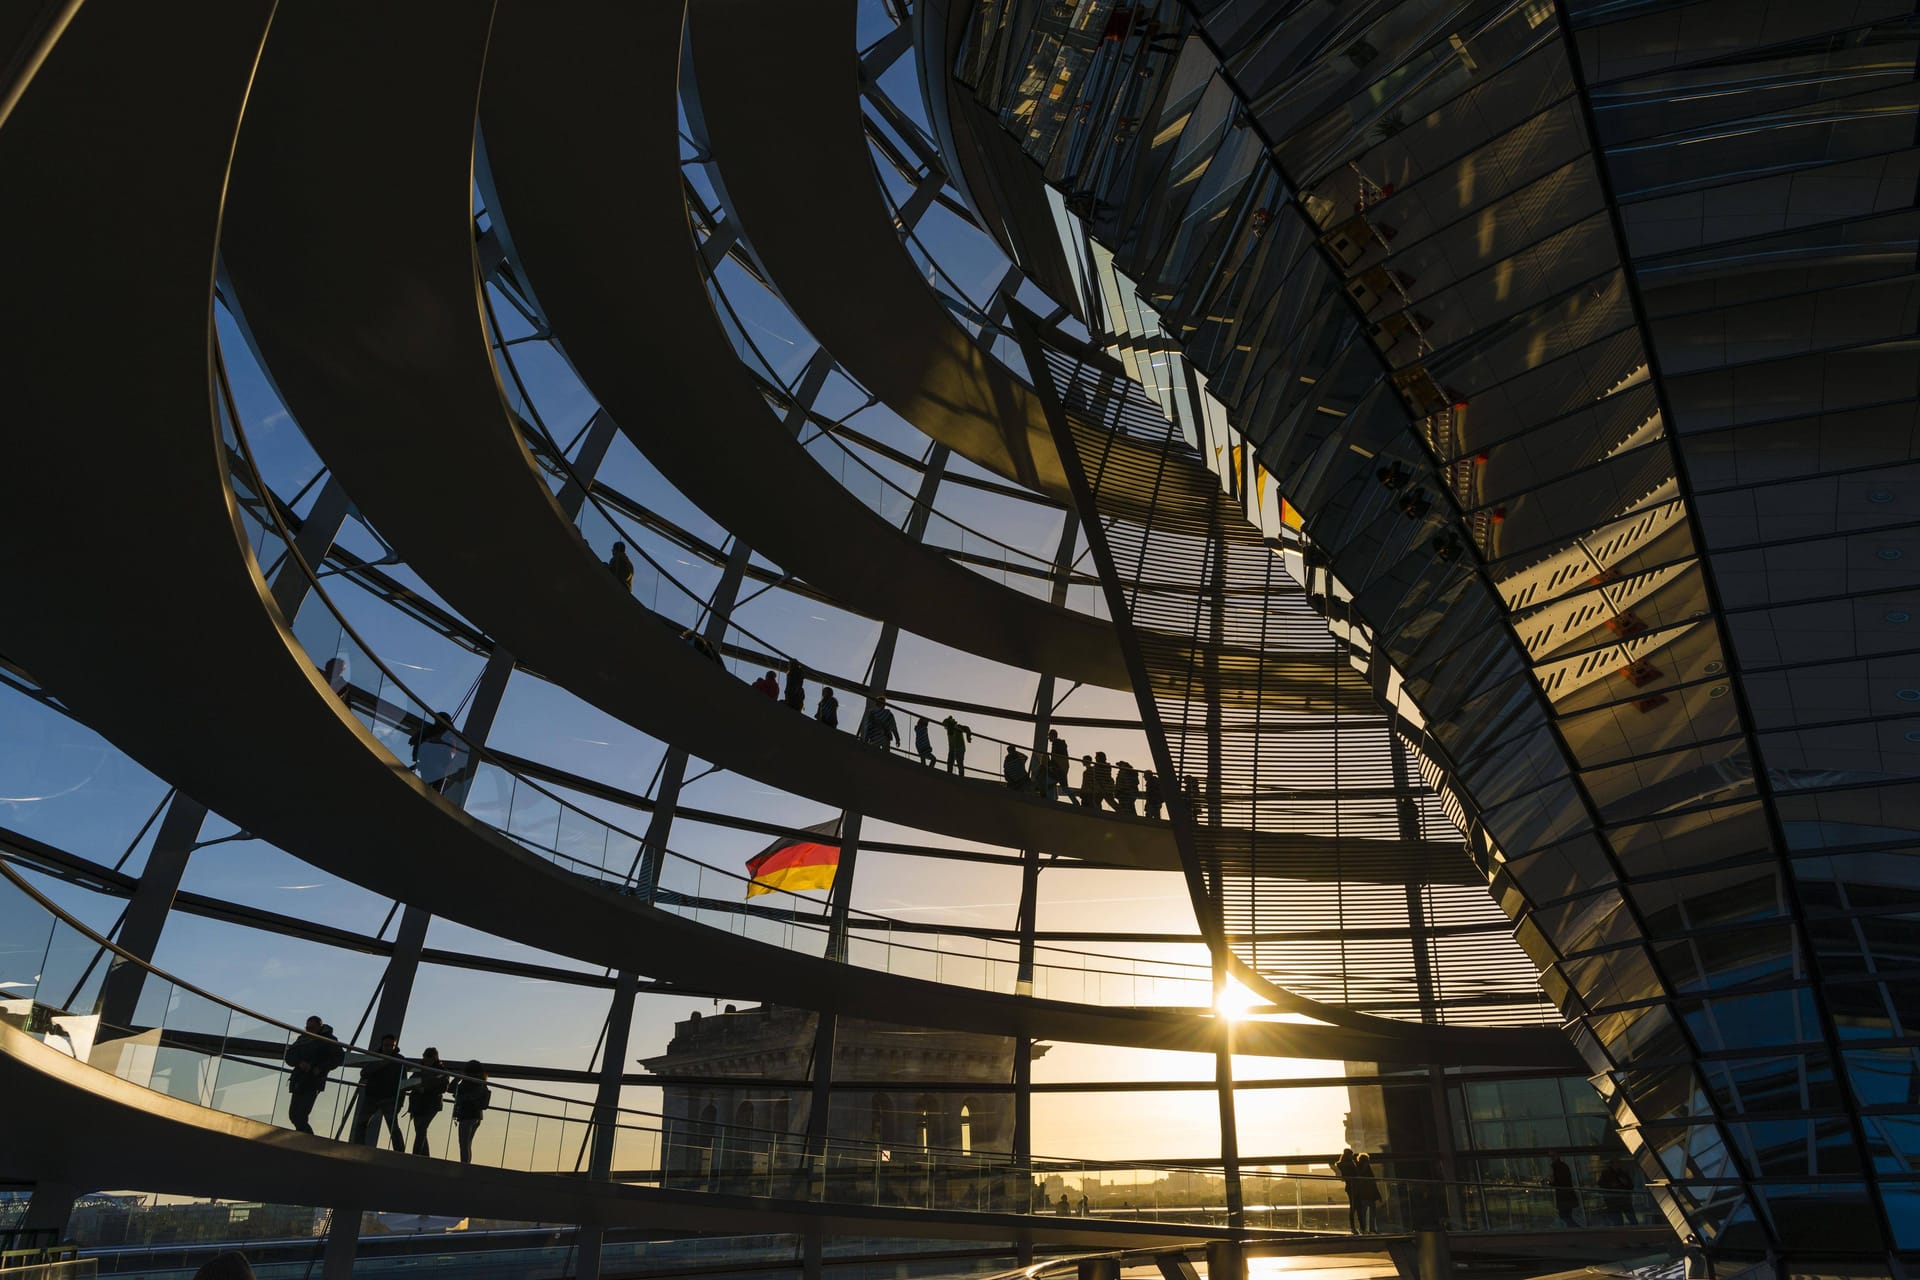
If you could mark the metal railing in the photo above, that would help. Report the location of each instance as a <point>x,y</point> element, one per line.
<point>193,1046</point>
<point>555,828</point>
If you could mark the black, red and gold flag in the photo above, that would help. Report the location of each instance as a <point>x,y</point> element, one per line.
<point>805,861</point>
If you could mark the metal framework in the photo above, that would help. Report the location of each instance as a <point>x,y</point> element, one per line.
<point>1509,299</point>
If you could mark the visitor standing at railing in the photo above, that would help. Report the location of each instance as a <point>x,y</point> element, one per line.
<point>471,1098</point>
<point>1348,1167</point>
<point>796,685</point>
<point>923,741</point>
<point>381,1075</point>
<point>1126,788</point>
<point>828,713</point>
<point>1057,761</point>
<point>1154,798</point>
<point>878,728</point>
<point>769,684</point>
<point>313,1056</point>
<point>1015,769</point>
<point>436,748</point>
<point>620,566</point>
<point>425,1093</point>
<point>1367,1191</point>
<point>958,736</point>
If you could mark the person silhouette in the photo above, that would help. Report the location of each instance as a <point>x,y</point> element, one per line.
<point>878,728</point>
<point>471,1098</point>
<point>958,736</point>
<point>1566,1199</point>
<point>312,1057</point>
<point>381,1075</point>
<point>620,566</point>
<point>1015,769</point>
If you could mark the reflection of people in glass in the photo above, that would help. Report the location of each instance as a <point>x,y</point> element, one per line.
<point>339,672</point>
<point>1565,1198</point>
<point>1617,1183</point>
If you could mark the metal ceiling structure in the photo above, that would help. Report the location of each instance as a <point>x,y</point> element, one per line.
<point>1577,339</point>
<point>1581,337</point>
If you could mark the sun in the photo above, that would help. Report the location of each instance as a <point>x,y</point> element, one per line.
<point>1235,1002</point>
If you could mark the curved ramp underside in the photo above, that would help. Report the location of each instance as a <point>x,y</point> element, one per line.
<point>802,180</point>
<point>379,350</point>
<point>227,706</point>
<point>602,237</point>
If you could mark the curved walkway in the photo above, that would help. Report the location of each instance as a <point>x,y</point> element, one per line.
<point>74,1124</point>
<point>77,1125</point>
<point>602,238</point>
<point>835,255</point>
<point>186,664</point>
<point>378,350</point>
<point>168,1084</point>
<point>605,244</point>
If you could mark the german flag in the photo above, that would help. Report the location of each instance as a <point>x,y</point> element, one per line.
<point>799,863</point>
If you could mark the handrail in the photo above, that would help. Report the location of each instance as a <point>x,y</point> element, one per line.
<point>802,914</point>
<point>360,1056</point>
<point>826,1170</point>
<point>553,459</point>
